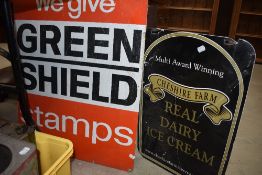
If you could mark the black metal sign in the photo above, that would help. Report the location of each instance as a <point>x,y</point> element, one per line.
<point>194,91</point>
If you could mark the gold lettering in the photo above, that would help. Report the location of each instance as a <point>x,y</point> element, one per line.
<point>160,136</point>
<point>177,108</point>
<point>147,131</point>
<point>195,134</point>
<point>153,133</point>
<point>209,160</point>
<point>194,117</point>
<point>164,122</point>
<point>186,114</point>
<point>168,108</point>
<point>170,142</point>
<point>187,132</point>
<point>180,129</point>
<point>187,149</point>
<point>179,145</point>
<point>173,127</point>
<point>178,111</point>
<point>195,154</point>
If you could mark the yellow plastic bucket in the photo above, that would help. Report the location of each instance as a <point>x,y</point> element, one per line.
<point>54,154</point>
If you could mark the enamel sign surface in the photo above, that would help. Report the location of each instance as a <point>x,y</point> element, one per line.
<point>83,63</point>
<point>194,91</point>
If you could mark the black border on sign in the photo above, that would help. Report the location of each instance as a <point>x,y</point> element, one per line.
<point>236,116</point>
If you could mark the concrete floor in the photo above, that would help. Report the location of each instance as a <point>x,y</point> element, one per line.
<point>246,157</point>
<point>3,62</point>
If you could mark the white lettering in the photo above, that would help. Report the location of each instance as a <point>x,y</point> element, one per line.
<point>38,115</point>
<point>40,3</point>
<point>95,136</point>
<point>101,131</point>
<point>76,9</point>
<point>55,121</point>
<point>129,139</point>
<point>92,6</point>
<point>107,7</point>
<point>57,7</point>
<point>75,124</point>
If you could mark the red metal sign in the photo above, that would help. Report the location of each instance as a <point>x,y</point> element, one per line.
<point>82,63</point>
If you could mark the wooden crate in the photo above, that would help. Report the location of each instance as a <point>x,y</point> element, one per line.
<point>246,23</point>
<point>187,15</point>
